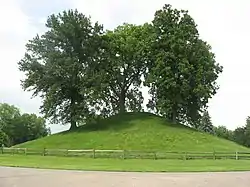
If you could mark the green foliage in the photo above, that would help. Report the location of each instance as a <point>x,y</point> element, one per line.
<point>29,127</point>
<point>223,132</point>
<point>83,73</point>
<point>135,131</point>
<point>4,139</point>
<point>242,134</point>
<point>57,66</point>
<point>183,71</point>
<point>205,124</point>
<point>247,132</point>
<point>8,113</point>
<point>123,68</point>
<point>16,128</point>
<point>8,116</point>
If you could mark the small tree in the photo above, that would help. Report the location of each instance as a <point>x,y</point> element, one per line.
<point>247,132</point>
<point>242,134</point>
<point>206,123</point>
<point>223,132</point>
<point>4,139</point>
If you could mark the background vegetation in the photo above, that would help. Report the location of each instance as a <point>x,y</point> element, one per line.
<point>16,128</point>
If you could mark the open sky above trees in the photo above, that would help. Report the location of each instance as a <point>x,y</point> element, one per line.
<point>223,24</point>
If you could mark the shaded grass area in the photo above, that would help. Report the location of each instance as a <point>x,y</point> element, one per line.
<point>72,163</point>
<point>135,131</point>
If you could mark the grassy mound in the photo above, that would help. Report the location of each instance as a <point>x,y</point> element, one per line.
<point>135,131</point>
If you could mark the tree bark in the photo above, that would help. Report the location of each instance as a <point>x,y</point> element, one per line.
<point>122,102</point>
<point>174,114</point>
<point>73,125</point>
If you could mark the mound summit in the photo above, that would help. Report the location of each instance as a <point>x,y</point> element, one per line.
<point>135,131</point>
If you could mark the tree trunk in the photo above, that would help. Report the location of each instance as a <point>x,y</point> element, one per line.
<point>73,125</point>
<point>174,114</point>
<point>122,102</point>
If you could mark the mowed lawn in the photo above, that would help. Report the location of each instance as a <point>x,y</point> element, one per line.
<point>135,131</point>
<point>72,163</point>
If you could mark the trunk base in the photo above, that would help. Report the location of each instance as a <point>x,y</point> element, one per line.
<point>73,126</point>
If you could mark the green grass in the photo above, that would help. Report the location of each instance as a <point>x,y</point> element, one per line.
<point>135,131</point>
<point>72,163</point>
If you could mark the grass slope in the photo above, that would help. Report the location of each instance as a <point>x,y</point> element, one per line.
<point>135,131</point>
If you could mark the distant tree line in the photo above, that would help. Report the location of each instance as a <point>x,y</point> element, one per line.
<point>240,135</point>
<point>16,128</point>
<point>82,71</point>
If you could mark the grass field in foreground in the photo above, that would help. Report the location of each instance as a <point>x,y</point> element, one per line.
<point>71,163</point>
<point>135,131</point>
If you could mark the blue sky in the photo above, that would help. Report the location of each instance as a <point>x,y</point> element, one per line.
<point>224,24</point>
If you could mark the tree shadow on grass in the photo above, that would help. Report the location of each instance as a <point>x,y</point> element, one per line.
<point>123,121</point>
<point>116,123</point>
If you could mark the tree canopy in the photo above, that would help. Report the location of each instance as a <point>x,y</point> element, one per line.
<point>58,66</point>
<point>242,134</point>
<point>81,71</point>
<point>183,72</point>
<point>123,67</point>
<point>205,124</point>
<point>17,128</point>
<point>222,132</point>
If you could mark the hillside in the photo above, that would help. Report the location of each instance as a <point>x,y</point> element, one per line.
<point>135,131</point>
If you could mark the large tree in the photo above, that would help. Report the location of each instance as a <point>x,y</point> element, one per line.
<point>123,67</point>
<point>183,72</point>
<point>56,65</point>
